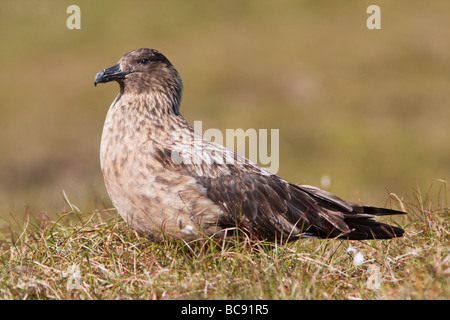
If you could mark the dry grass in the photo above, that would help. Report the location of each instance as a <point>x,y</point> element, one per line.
<point>96,256</point>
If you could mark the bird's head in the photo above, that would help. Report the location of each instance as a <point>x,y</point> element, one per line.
<point>144,71</point>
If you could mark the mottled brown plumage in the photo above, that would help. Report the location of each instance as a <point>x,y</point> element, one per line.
<point>165,179</point>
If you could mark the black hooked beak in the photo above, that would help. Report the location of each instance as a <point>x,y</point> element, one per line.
<point>110,74</point>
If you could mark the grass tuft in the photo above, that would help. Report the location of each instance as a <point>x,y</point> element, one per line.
<point>95,255</point>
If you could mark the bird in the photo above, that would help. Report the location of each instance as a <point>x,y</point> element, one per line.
<point>167,181</point>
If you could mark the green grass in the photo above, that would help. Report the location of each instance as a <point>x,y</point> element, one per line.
<point>41,259</point>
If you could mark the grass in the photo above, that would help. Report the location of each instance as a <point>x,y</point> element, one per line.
<point>96,256</point>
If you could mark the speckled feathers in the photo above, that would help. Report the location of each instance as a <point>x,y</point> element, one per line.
<point>195,194</point>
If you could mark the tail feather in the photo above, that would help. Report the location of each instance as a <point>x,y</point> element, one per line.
<point>369,229</point>
<point>363,227</point>
<point>377,211</point>
<point>357,218</point>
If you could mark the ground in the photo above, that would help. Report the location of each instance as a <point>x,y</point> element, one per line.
<point>95,255</point>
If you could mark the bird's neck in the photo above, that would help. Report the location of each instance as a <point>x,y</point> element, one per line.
<point>152,110</point>
<point>162,94</point>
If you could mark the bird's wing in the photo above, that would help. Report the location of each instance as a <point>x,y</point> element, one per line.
<point>271,207</point>
<point>350,209</point>
<point>358,217</point>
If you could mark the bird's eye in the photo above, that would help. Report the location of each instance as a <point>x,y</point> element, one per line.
<point>144,61</point>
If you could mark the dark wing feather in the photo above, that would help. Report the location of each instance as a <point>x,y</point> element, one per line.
<point>271,208</point>
<point>329,199</point>
<point>358,217</point>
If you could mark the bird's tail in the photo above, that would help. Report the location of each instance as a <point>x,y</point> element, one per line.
<point>366,228</point>
<point>370,229</point>
<point>357,218</point>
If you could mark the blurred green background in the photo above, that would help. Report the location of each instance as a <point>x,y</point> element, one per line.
<point>368,108</point>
